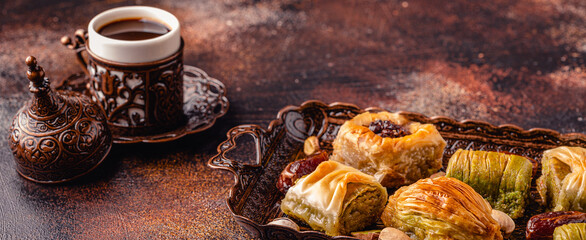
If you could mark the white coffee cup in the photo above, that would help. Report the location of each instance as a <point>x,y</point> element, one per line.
<point>134,51</point>
<point>138,83</point>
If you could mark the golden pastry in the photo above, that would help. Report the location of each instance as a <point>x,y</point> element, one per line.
<point>563,179</point>
<point>335,198</point>
<point>441,208</point>
<point>571,231</point>
<point>502,179</point>
<point>393,149</point>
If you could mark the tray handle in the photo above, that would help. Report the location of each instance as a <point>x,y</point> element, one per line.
<point>221,161</point>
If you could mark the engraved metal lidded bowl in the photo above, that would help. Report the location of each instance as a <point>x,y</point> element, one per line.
<point>57,136</point>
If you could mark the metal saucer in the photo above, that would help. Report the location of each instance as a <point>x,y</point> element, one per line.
<point>204,101</point>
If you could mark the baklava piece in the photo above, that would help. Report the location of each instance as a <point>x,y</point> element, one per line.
<point>563,179</point>
<point>336,199</point>
<point>394,150</point>
<point>502,179</point>
<point>441,208</point>
<point>572,231</point>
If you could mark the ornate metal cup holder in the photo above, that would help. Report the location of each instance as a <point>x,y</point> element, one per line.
<point>204,101</point>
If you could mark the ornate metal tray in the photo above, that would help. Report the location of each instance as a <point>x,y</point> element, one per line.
<point>204,101</point>
<point>254,200</point>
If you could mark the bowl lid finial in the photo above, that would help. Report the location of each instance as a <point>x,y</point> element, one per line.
<point>36,75</point>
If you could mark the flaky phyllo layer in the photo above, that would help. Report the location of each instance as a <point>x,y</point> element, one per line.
<point>502,179</point>
<point>441,208</point>
<point>562,184</point>
<point>336,199</point>
<point>393,162</point>
<point>572,231</point>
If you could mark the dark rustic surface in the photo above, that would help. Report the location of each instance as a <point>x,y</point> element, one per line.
<point>520,62</point>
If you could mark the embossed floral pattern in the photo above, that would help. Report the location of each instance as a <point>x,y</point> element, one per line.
<point>59,145</point>
<point>146,98</point>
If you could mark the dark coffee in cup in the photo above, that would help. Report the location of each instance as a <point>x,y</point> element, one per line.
<point>133,29</point>
<point>138,81</point>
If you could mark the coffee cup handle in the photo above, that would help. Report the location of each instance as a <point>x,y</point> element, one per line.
<point>78,45</point>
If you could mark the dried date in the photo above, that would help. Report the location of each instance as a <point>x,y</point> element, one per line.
<point>541,226</point>
<point>300,168</point>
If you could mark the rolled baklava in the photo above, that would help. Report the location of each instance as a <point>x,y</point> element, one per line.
<point>572,231</point>
<point>336,199</point>
<point>441,208</point>
<point>502,179</point>
<point>394,150</point>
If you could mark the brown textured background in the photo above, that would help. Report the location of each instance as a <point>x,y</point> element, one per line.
<point>519,62</point>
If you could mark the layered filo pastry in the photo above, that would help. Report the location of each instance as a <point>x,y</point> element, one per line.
<point>394,150</point>
<point>571,231</point>
<point>563,180</point>
<point>441,208</point>
<point>336,199</point>
<point>502,179</point>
